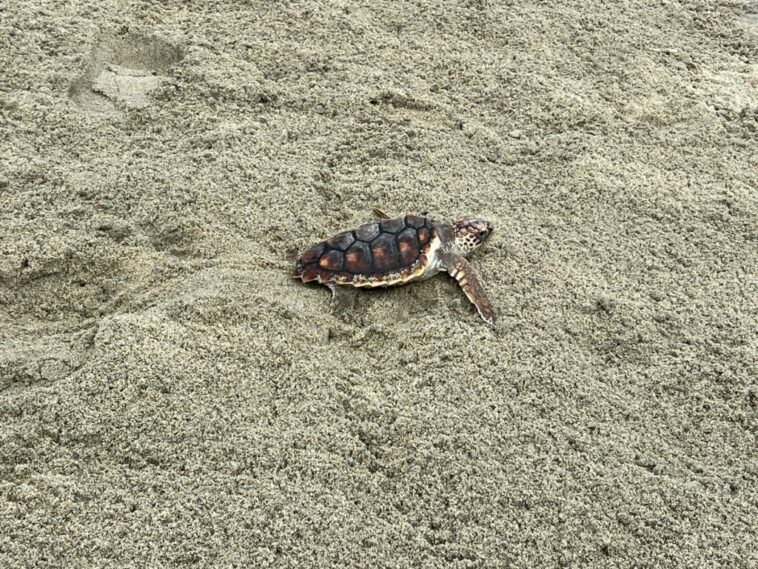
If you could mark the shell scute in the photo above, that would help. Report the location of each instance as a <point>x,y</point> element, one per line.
<point>414,221</point>
<point>325,275</point>
<point>312,254</point>
<point>367,231</point>
<point>358,258</point>
<point>408,245</point>
<point>423,236</point>
<point>384,252</point>
<point>332,261</point>
<point>392,225</point>
<point>309,274</point>
<point>342,240</point>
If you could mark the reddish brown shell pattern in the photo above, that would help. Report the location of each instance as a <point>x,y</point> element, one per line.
<point>380,253</point>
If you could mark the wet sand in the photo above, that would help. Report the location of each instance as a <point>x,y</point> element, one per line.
<point>169,396</point>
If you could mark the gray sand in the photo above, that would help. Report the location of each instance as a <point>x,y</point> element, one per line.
<point>170,397</point>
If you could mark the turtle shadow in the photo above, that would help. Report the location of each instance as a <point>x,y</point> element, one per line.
<point>122,72</point>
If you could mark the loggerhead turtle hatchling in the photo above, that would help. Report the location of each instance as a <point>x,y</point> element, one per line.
<point>397,251</point>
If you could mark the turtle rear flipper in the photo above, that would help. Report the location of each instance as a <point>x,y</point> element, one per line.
<point>460,269</point>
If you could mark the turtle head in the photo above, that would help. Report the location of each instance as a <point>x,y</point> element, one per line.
<point>471,233</point>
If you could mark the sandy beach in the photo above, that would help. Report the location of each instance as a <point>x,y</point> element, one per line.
<point>171,397</point>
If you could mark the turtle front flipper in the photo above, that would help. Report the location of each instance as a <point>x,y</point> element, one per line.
<point>460,269</point>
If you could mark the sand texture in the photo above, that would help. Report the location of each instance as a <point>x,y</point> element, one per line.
<point>170,397</point>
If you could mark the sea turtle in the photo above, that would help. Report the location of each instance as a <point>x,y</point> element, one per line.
<point>397,251</point>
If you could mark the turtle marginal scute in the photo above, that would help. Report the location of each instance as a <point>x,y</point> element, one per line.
<point>325,276</point>
<point>367,231</point>
<point>312,254</point>
<point>392,225</point>
<point>360,280</point>
<point>414,221</point>
<point>342,240</point>
<point>309,274</point>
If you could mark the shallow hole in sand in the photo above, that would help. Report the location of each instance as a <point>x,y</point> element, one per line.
<point>122,73</point>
